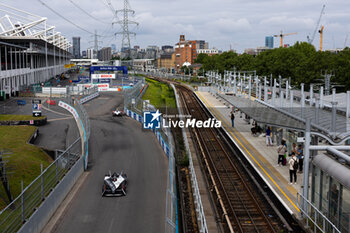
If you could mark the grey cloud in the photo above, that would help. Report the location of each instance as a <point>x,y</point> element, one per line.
<point>241,23</point>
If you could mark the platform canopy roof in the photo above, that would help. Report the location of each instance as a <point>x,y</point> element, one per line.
<point>292,118</point>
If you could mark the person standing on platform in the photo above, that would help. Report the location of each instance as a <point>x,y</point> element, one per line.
<point>281,150</point>
<point>293,167</point>
<point>300,156</point>
<point>233,119</point>
<point>294,149</point>
<point>268,136</point>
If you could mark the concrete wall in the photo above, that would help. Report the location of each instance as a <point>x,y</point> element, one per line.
<point>43,214</point>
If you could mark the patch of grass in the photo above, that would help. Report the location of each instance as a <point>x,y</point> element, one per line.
<point>159,94</point>
<point>25,160</point>
<point>4,117</point>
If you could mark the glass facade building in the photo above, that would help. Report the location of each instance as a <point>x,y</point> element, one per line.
<point>269,42</point>
<point>76,47</point>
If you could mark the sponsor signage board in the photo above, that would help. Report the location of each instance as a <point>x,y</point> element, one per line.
<point>102,76</point>
<point>103,87</point>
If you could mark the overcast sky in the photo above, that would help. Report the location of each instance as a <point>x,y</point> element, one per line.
<point>239,23</point>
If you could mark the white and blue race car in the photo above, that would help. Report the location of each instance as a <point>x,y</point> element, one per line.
<point>114,185</point>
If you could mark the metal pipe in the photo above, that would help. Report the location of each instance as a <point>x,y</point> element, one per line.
<point>259,96</point>
<point>334,117</point>
<point>321,97</point>
<point>311,94</point>
<point>347,148</point>
<point>348,104</point>
<point>339,154</point>
<point>250,87</point>
<point>281,99</point>
<point>291,100</point>
<point>306,164</point>
<point>317,112</point>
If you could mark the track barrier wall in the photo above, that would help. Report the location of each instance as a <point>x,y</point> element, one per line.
<point>133,107</point>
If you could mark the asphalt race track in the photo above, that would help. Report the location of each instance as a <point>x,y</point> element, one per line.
<point>119,144</point>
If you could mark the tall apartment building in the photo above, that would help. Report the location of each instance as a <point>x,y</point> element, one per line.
<point>105,54</point>
<point>90,53</point>
<point>201,44</point>
<point>76,47</point>
<point>185,52</point>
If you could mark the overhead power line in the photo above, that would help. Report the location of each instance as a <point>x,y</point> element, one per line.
<point>109,5</point>
<point>91,16</point>
<point>69,21</point>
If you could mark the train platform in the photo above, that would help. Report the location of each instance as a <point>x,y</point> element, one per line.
<point>262,157</point>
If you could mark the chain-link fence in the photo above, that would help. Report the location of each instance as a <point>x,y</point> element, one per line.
<point>20,210</point>
<point>133,96</point>
<point>159,74</point>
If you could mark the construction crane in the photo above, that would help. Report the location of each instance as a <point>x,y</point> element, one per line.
<point>321,37</point>
<point>310,40</point>
<point>283,35</point>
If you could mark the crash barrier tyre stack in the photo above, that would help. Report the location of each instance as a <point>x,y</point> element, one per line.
<point>194,184</point>
<point>171,221</point>
<point>31,210</point>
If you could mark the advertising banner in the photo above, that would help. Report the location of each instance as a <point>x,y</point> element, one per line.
<point>103,76</point>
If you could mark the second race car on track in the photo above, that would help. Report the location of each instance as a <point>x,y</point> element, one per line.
<point>118,113</point>
<point>114,185</point>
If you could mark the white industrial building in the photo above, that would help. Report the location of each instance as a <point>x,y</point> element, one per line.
<point>30,50</point>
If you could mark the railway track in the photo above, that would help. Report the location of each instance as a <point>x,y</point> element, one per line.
<point>240,204</point>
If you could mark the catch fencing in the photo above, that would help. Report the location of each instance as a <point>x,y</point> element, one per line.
<point>134,107</point>
<point>20,210</point>
<point>31,201</point>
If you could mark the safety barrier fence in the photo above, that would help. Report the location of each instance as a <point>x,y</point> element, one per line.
<point>182,77</point>
<point>313,217</point>
<point>20,210</point>
<point>196,194</point>
<point>82,119</point>
<point>31,201</point>
<point>133,107</point>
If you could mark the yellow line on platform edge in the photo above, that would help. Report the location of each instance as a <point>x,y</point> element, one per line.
<point>230,132</point>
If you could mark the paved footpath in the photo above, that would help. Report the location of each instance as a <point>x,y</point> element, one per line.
<point>263,158</point>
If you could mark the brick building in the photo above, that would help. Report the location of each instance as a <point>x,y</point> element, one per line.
<point>166,62</point>
<point>185,51</point>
